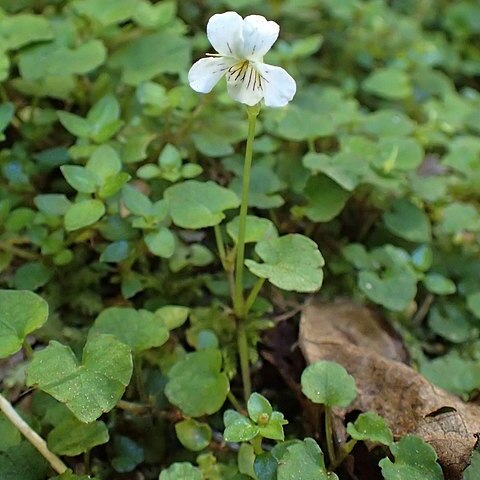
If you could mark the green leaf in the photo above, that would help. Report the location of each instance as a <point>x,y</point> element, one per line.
<point>326,198</point>
<point>22,29</point>
<point>139,329</point>
<point>450,323</point>
<point>68,475</point>
<point>414,460</point>
<point>265,466</point>
<point>193,435</point>
<point>256,229</point>
<point>161,242</point>
<point>438,284</point>
<point>388,123</point>
<point>238,428</point>
<point>181,471</point>
<point>116,252</point>
<point>83,214</point>
<point>128,454</point>
<point>109,12</point>
<point>305,457</point>
<point>292,262</point>
<point>472,472</point>
<point>81,179</point>
<point>274,428</point>
<point>473,303</point>
<point>104,163</point>
<point>88,389</point>
<point>72,437</point>
<point>76,125</point>
<point>197,205</point>
<point>328,383</point>
<point>390,83</point>
<point>459,216</point>
<point>422,258</point>
<point>21,313</point>
<point>54,204</point>
<point>136,201</point>
<point>196,384</point>
<point>259,408</point>
<point>23,462</point>
<point>32,276</point>
<point>408,221</point>
<point>370,426</point>
<point>147,56</point>
<point>7,110</point>
<point>9,435</point>
<point>173,316</point>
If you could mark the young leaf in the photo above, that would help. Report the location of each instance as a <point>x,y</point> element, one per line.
<point>292,262</point>
<point>139,329</point>
<point>414,460</point>
<point>88,389</point>
<point>161,242</point>
<point>83,214</point>
<point>370,426</point>
<point>195,204</point>
<point>193,435</point>
<point>238,428</point>
<point>81,179</point>
<point>256,229</point>
<point>305,457</point>
<point>259,408</point>
<point>328,383</point>
<point>181,471</point>
<point>196,384</point>
<point>21,313</point>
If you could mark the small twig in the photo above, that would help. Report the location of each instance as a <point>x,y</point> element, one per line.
<point>33,437</point>
<point>423,310</point>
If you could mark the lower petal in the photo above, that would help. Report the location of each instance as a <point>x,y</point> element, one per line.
<point>279,87</point>
<point>244,83</point>
<point>205,73</point>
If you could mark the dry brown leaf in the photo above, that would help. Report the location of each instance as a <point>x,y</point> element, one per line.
<point>359,340</point>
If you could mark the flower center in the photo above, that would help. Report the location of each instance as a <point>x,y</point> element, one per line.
<point>245,72</point>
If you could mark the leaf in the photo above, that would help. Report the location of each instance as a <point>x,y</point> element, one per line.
<point>54,204</point>
<point>139,329</point>
<point>370,426</point>
<point>259,408</point>
<point>136,202</point>
<point>147,56</point>
<point>305,457</point>
<point>328,383</point>
<point>72,437</point>
<point>458,216</point>
<point>116,252</point>
<point>83,214</point>
<point>195,204</point>
<point>32,276</point>
<point>438,284</point>
<point>68,475</point>
<point>196,384</point>
<point>7,109</point>
<point>265,466</point>
<point>450,323</point>
<point>161,242</point>
<point>193,435</point>
<point>414,460</point>
<point>20,30</point>
<point>128,454</point>
<point>90,388</point>
<point>292,262</point>
<point>21,313</point>
<point>408,221</point>
<point>104,163</point>
<point>109,12</point>
<point>256,229</point>
<point>173,316</point>
<point>390,83</point>
<point>326,198</point>
<point>473,303</point>
<point>238,428</point>
<point>22,462</point>
<point>472,472</point>
<point>181,471</point>
<point>9,435</point>
<point>81,179</point>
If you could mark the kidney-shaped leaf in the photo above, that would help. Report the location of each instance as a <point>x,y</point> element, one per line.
<point>139,329</point>
<point>90,388</point>
<point>328,383</point>
<point>21,312</point>
<point>292,262</point>
<point>196,204</point>
<point>196,384</point>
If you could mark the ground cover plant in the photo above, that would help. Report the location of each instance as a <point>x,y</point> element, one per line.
<point>187,202</point>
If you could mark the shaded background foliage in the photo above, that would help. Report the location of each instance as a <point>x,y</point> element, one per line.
<point>377,159</point>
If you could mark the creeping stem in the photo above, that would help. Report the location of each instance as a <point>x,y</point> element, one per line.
<point>238,296</point>
<point>32,436</point>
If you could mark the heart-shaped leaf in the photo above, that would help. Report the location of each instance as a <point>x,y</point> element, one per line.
<point>292,262</point>
<point>139,329</point>
<point>408,221</point>
<point>21,312</point>
<point>370,426</point>
<point>196,204</point>
<point>90,388</point>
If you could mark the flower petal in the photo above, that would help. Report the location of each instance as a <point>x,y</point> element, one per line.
<point>205,73</point>
<point>259,35</point>
<point>224,31</point>
<point>279,87</point>
<point>244,83</point>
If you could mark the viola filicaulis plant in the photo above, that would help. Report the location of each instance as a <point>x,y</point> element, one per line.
<point>241,44</point>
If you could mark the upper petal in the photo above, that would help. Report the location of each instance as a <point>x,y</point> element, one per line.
<point>279,87</point>
<point>259,35</point>
<point>205,73</point>
<point>224,31</point>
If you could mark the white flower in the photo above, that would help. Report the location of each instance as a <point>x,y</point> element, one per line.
<point>241,44</point>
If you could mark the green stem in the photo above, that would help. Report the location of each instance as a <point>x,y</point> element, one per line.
<point>238,299</point>
<point>329,435</point>
<point>257,445</point>
<point>32,436</point>
<point>344,453</point>
<point>253,295</point>
<point>137,370</point>
<point>235,403</point>
<point>220,246</point>
<point>27,349</point>
<point>242,342</point>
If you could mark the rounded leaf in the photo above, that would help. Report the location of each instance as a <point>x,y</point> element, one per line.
<point>193,435</point>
